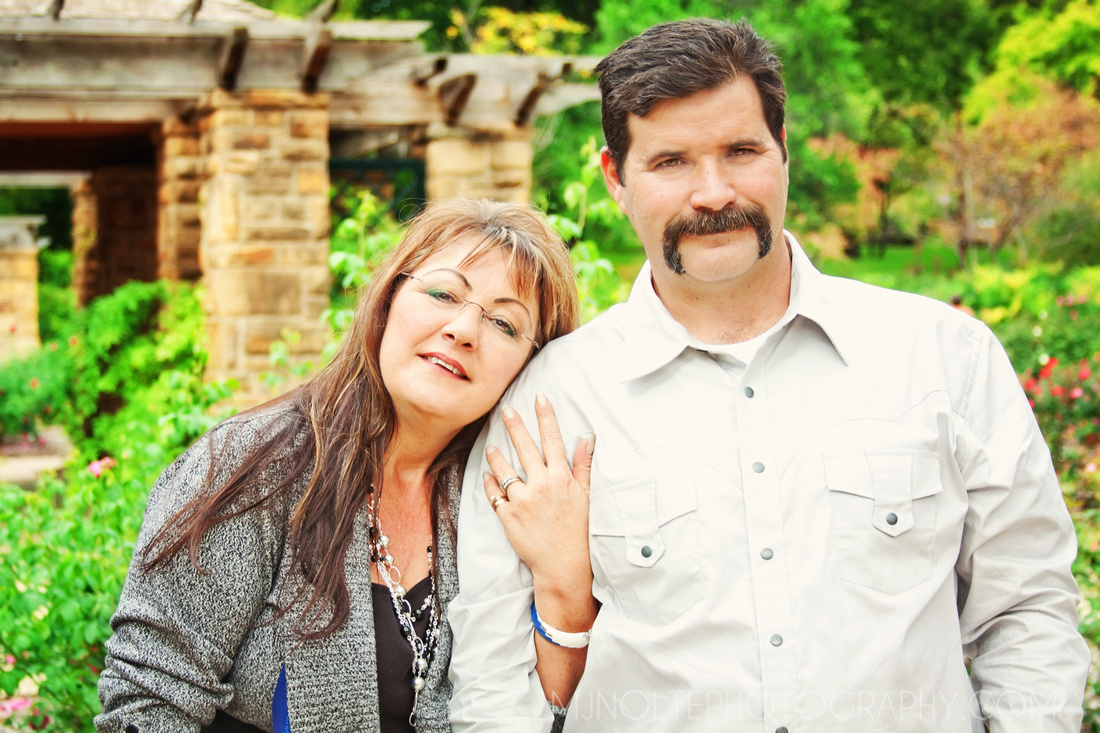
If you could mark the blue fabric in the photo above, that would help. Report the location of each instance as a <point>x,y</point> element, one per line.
<point>280,711</point>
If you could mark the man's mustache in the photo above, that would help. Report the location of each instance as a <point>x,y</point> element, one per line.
<point>729,219</point>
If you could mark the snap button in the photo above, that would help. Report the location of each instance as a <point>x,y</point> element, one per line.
<point>767,553</point>
<point>748,392</point>
<point>776,640</point>
<point>647,551</point>
<point>891,518</point>
<point>758,467</point>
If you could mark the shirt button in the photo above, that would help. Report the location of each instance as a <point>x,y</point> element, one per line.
<point>891,519</point>
<point>647,551</point>
<point>758,467</point>
<point>776,640</point>
<point>781,729</point>
<point>748,392</point>
<point>767,553</point>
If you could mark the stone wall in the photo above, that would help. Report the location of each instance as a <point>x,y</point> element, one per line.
<point>181,168</point>
<point>114,230</point>
<point>265,223</point>
<point>18,285</point>
<point>491,163</point>
<point>18,298</point>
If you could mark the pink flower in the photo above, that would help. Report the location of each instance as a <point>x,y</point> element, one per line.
<point>10,659</point>
<point>16,703</point>
<point>1084,374</point>
<point>1090,468</point>
<point>1076,393</point>
<point>98,467</point>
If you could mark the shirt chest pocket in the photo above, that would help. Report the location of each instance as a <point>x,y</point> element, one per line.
<point>645,548</point>
<point>884,513</point>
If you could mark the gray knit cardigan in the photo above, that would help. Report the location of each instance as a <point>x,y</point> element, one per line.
<point>187,644</point>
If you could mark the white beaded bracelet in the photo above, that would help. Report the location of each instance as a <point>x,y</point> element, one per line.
<point>557,637</point>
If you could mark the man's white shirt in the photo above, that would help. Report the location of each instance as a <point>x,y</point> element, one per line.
<point>814,537</point>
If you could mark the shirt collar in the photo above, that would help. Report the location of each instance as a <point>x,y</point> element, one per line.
<point>653,338</point>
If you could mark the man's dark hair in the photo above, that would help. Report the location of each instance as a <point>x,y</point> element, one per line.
<point>676,60</point>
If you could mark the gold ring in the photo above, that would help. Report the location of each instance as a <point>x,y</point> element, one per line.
<point>496,501</point>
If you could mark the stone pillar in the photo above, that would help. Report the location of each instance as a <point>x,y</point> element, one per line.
<point>18,286</point>
<point>265,226</point>
<point>85,240</point>
<point>491,163</point>
<point>119,244</point>
<point>180,171</point>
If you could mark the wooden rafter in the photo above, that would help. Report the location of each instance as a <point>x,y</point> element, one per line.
<point>53,9</point>
<point>323,12</point>
<point>530,101</point>
<point>232,57</point>
<point>453,96</point>
<point>425,72</point>
<point>314,56</point>
<point>190,11</point>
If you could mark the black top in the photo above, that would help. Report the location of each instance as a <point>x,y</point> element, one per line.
<point>395,656</point>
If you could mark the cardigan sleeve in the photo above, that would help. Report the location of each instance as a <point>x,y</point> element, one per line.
<point>177,629</point>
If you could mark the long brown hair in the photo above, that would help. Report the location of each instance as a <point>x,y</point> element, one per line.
<point>350,415</point>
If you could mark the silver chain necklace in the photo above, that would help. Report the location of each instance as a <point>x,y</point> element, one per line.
<point>422,649</point>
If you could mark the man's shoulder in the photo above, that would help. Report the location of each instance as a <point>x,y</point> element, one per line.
<point>864,302</point>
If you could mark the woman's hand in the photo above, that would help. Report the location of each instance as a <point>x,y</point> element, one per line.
<point>545,517</point>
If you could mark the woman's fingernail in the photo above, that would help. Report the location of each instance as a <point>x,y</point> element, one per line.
<point>590,443</point>
<point>509,413</point>
<point>540,399</point>
<point>490,450</point>
<point>486,476</point>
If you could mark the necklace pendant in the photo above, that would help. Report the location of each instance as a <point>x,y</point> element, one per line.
<point>418,683</point>
<point>399,591</point>
<point>420,666</point>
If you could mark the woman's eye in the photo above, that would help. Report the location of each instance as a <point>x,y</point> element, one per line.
<point>503,325</point>
<point>443,296</point>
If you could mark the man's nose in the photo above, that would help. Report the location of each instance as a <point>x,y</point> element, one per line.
<point>712,187</point>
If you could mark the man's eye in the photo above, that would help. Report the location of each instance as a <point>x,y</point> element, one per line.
<point>503,325</point>
<point>443,296</point>
<point>669,163</point>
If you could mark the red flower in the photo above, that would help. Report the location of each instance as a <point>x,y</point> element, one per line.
<point>1057,390</point>
<point>1084,374</point>
<point>34,382</point>
<point>53,346</point>
<point>1030,384</point>
<point>1032,403</point>
<point>72,341</point>
<point>1048,368</point>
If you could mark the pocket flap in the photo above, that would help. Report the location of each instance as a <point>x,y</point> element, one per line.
<point>893,479</point>
<point>636,511</point>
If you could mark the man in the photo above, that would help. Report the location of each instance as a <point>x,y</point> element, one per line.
<point>815,504</point>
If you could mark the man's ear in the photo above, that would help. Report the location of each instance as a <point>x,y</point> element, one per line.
<point>611,178</point>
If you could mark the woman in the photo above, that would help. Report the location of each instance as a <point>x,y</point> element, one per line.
<point>309,543</point>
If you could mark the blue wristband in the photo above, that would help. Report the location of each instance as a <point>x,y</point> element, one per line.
<point>564,639</point>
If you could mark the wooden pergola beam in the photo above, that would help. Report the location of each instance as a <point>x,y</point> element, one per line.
<point>190,11</point>
<point>315,53</point>
<point>232,57</point>
<point>351,30</point>
<point>454,94</point>
<point>530,101</point>
<point>424,73</point>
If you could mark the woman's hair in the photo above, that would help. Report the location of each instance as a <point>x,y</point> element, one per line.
<point>351,416</point>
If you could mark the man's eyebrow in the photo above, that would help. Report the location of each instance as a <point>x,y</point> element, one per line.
<point>661,155</point>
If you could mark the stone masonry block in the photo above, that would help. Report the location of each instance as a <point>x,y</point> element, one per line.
<point>239,162</point>
<point>181,145</point>
<point>511,154</point>
<point>297,151</point>
<point>269,117</point>
<point>230,118</point>
<point>224,344</point>
<point>452,157</point>
<point>233,256</point>
<point>294,211</point>
<point>226,139</point>
<point>316,281</point>
<point>260,291</point>
<point>309,123</point>
<point>182,168</point>
<point>179,192</point>
<point>259,335</point>
<point>269,98</point>
<point>276,234</point>
<point>260,209</point>
<point>313,180</point>
<point>303,255</point>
